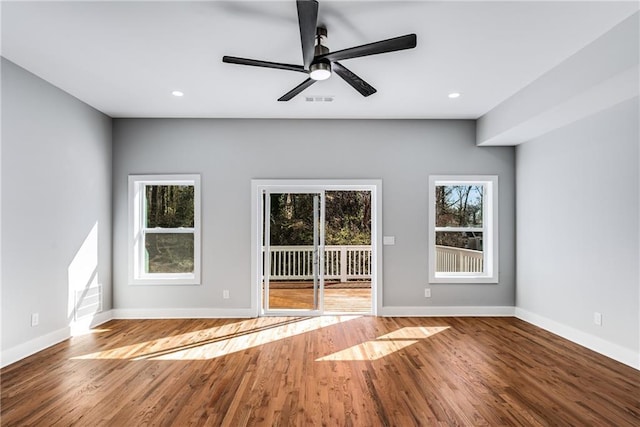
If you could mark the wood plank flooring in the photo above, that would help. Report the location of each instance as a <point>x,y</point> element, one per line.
<point>329,371</point>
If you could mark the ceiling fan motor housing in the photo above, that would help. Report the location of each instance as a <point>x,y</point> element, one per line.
<point>321,69</point>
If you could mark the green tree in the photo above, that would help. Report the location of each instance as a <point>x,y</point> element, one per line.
<point>347,214</point>
<point>459,206</point>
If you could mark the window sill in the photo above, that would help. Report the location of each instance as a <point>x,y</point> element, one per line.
<point>464,279</point>
<point>183,280</point>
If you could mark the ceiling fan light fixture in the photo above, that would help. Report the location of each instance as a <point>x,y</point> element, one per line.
<point>320,70</point>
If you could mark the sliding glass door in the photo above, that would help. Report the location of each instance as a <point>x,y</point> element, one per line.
<point>293,251</point>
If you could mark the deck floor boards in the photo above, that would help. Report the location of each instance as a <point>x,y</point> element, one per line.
<point>337,299</point>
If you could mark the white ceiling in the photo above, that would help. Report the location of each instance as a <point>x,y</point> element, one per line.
<point>125,58</point>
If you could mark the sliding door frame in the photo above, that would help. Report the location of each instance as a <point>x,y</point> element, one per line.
<point>318,252</point>
<point>258,186</point>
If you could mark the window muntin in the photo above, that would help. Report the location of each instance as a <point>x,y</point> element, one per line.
<point>463,230</point>
<point>165,229</point>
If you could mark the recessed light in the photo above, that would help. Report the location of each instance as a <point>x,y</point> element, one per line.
<point>177,93</point>
<point>454,95</point>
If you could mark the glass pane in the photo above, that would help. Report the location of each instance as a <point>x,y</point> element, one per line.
<point>347,258</point>
<point>293,280</point>
<point>348,217</point>
<point>169,253</point>
<point>291,219</point>
<point>459,205</point>
<point>169,206</point>
<point>459,252</point>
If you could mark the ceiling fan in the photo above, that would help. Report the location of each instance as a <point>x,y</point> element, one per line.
<point>319,62</point>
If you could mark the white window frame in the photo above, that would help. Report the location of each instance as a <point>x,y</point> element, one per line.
<point>489,229</point>
<point>137,276</point>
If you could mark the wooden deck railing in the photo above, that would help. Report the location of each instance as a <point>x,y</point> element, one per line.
<point>340,262</point>
<point>346,263</point>
<point>449,259</point>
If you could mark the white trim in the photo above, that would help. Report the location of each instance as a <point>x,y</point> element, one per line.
<point>614,351</point>
<point>376,248</point>
<point>313,185</point>
<point>135,207</point>
<point>490,228</point>
<point>448,311</point>
<point>26,349</point>
<point>182,313</point>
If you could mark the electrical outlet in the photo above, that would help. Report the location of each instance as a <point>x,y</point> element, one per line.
<point>225,294</point>
<point>35,319</point>
<point>427,293</point>
<point>597,318</point>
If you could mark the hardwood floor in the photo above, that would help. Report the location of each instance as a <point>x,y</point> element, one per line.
<point>332,370</point>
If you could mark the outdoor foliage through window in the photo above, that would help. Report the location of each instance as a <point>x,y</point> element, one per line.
<point>169,208</point>
<point>347,213</point>
<point>459,216</point>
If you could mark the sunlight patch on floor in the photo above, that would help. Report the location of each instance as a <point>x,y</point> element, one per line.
<point>385,344</point>
<point>215,342</point>
<point>413,333</point>
<point>83,332</point>
<point>369,350</point>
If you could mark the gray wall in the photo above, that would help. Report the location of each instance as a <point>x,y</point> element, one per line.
<point>229,153</point>
<point>578,225</point>
<point>56,186</point>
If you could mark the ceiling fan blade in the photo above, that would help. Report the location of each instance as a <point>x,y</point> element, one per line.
<point>296,90</point>
<point>390,45</point>
<point>356,82</point>
<point>307,21</point>
<point>266,64</point>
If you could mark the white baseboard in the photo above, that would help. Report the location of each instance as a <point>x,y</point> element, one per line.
<point>181,313</point>
<point>35,345</point>
<point>599,345</point>
<point>13,354</point>
<point>461,311</point>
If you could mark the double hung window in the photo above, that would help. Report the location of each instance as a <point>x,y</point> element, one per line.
<point>463,232</point>
<point>164,229</point>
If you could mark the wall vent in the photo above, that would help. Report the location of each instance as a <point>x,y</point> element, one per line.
<point>88,301</point>
<point>319,98</point>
